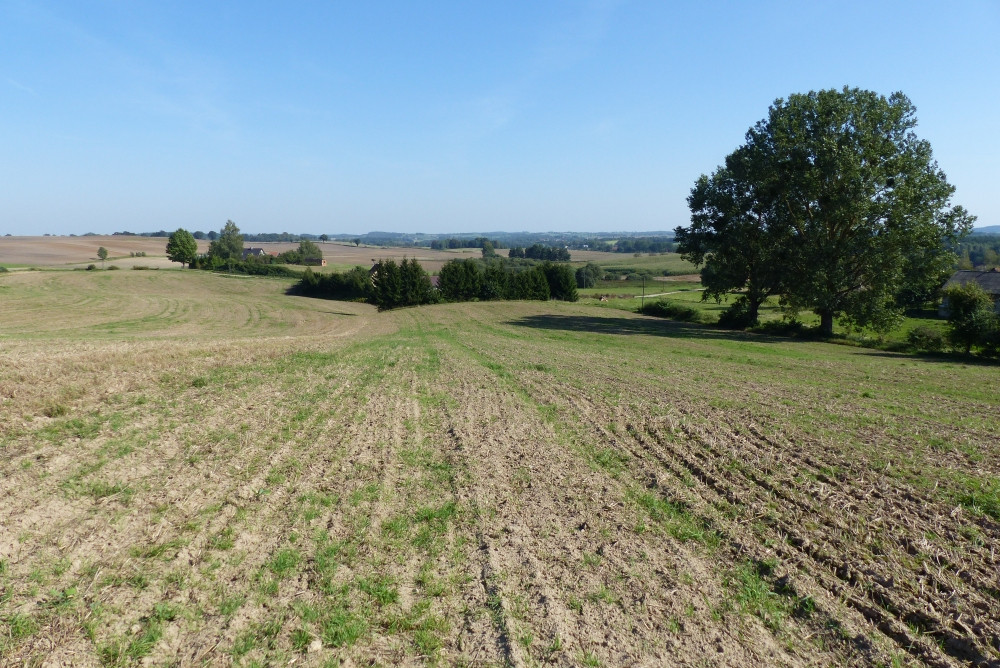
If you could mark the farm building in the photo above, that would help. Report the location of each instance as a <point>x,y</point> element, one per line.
<point>254,252</point>
<point>989,281</point>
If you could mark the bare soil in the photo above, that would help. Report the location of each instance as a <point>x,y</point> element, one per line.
<point>196,469</point>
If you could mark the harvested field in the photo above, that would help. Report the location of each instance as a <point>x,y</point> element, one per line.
<point>70,252</point>
<point>197,469</point>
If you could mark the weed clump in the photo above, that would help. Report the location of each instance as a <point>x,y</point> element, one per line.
<point>925,338</point>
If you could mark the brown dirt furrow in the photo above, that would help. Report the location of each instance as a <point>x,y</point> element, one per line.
<point>712,504</point>
<point>953,636</point>
<point>630,626</point>
<point>906,601</point>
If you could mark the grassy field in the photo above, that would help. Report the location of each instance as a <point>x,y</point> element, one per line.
<point>197,469</point>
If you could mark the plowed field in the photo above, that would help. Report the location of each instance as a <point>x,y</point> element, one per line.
<point>196,469</point>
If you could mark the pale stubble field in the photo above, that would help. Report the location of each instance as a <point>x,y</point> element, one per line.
<point>197,469</point>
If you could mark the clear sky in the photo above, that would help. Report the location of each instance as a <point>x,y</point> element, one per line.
<point>443,116</point>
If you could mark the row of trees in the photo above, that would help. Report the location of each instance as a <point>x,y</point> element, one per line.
<point>468,280</point>
<point>644,245</point>
<point>540,252</point>
<point>478,242</point>
<point>834,205</point>
<point>389,285</point>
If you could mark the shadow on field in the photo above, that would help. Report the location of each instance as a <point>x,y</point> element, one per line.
<point>940,358</point>
<point>646,326</point>
<point>683,330</point>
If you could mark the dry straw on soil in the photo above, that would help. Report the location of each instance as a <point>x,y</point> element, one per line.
<point>198,469</point>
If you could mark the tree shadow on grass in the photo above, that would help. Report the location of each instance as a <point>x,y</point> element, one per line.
<point>960,359</point>
<point>643,326</point>
<point>684,330</point>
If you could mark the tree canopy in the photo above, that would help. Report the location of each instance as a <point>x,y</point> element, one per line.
<point>972,321</point>
<point>181,247</point>
<point>309,251</point>
<point>228,245</point>
<point>834,204</point>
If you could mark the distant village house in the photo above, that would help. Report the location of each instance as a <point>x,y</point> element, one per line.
<point>989,281</point>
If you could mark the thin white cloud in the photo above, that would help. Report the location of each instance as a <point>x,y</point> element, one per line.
<point>20,86</point>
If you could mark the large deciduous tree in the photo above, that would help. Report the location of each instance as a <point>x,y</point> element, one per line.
<point>737,234</point>
<point>833,203</point>
<point>228,245</point>
<point>181,247</point>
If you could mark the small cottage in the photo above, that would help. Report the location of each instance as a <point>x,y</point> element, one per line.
<point>989,281</point>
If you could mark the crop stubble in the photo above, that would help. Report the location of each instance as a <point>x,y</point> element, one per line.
<point>486,483</point>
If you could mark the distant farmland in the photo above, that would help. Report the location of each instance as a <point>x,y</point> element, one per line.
<point>68,252</point>
<point>198,469</point>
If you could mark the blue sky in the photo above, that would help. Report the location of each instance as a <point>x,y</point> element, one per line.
<point>457,116</point>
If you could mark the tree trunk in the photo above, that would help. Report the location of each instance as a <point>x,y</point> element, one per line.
<point>826,323</point>
<point>753,309</point>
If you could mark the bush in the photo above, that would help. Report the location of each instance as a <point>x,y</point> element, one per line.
<point>588,275</point>
<point>926,339</point>
<point>91,267</point>
<point>782,327</point>
<point>738,315</point>
<point>664,308</point>
<point>261,269</point>
<point>971,320</point>
<point>352,285</point>
<point>561,280</point>
<point>114,267</point>
<point>3,269</point>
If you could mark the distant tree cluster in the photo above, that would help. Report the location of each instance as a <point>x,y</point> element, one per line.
<point>307,253</point>
<point>468,280</point>
<point>540,252</point>
<point>979,252</point>
<point>454,242</point>
<point>389,285</point>
<point>226,252</point>
<point>352,285</point>
<point>160,233</point>
<point>644,245</point>
<point>588,275</point>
